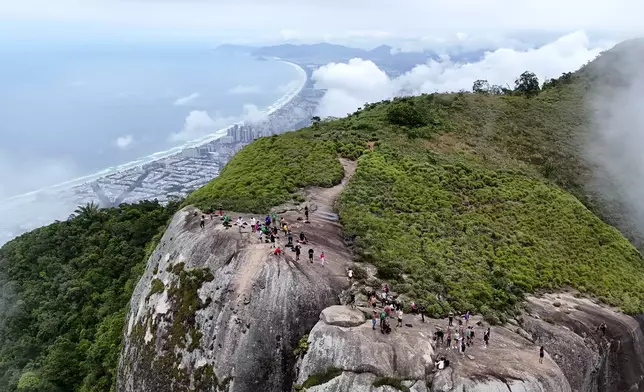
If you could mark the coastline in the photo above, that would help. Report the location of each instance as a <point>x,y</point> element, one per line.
<point>277,105</point>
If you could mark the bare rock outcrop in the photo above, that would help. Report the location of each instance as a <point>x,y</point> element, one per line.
<point>362,359</point>
<point>216,310</point>
<point>567,327</point>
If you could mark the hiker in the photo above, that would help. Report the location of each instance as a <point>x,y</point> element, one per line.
<point>467,336</point>
<point>322,258</point>
<point>449,338</point>
<point>226,221</point>
<point>466,316</point>
<point>421,310</point>
<point>352,300</point>
<point>373,300</point>
<point>373,320</point>
<point>350,276</point>
<point>399,313</point>
<point>385,288</point>
<point>274,218</point>
<point>442,363</point>
<point>463,347</point>
<point>290,240</point>
<point>387,310</point>
<point>285,227</point>
<point>259,235</point>
<point>472,335</point>
<point>306,212</point>
<point>268,220</point>
<point>311,252</point>
<point>297,253</point>
<point>486,336</point>
<point>439,335</point>
<point>450,317</point>
<point>278,251</point>
<point>272,240</point>
<point>414,308</point>
<point>240,221</point>
<point>383,316</point>
<point>221,211</point>
<point>457,340</point>
<point>203,221</point>
<point>302,237</point>
<point>541,353</point>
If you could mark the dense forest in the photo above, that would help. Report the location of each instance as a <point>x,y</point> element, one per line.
<point>64,294</point>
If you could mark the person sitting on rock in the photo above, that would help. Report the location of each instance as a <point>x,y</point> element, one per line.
<point>278,251</point>
<point>302,238</point>
<point>439,335</point>
<point>227,221</point>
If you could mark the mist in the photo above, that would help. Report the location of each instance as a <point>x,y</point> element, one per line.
<point>614,146</point>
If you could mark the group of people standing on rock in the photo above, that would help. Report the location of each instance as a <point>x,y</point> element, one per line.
<point>268,232</point>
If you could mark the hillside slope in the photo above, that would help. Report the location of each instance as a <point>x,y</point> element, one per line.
<point>462,200</point>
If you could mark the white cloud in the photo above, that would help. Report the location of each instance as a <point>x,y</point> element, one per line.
<point>183,101</point>
<point>317,19</point>
<point>351,85</point>
<point>200,123</point>
<point>241,89</point>
<point>124,142</point>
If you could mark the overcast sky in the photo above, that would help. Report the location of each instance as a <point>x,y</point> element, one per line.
<point>426,22</point>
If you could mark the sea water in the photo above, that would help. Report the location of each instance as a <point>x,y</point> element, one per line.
<point>67,111</point>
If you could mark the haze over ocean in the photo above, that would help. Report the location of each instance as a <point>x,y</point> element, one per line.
<point>72,110</point>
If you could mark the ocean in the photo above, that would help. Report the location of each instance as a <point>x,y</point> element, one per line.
<point>68,111</point>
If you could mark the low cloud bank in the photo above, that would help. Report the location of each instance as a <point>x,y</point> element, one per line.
<point>124,142</point>
<point>240,89</point>
<point>615,144</point>
<point>183,101</point>
<point>200,123</point>
<point>350,85</point>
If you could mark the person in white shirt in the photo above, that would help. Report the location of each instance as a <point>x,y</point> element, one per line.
<point>399,313</point>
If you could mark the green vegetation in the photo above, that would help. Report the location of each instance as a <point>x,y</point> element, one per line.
<point>392,382</point>
<point>320,378</point>
<point>184,297</point>
<point>68,285</point>
<point>270,172</point>
<point>302,346</point>
<point>157,287</point>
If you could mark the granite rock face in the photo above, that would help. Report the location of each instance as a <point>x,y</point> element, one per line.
<point>216,310</point>
<point>368,360</point>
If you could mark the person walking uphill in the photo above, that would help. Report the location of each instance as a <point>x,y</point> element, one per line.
<point>311,252</point>
<point>203,221</point>
<point>541,353</point>
<point>306,212</point>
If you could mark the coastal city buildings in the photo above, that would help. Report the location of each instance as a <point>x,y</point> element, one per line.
<point>170,177</point>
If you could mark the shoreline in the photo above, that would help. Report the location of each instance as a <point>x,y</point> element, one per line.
<point>277,105</point>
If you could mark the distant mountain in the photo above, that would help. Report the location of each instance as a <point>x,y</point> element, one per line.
<point>386,57</point>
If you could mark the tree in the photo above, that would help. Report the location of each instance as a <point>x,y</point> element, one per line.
<point>87,211</point>
<point>481,86</point>
<point>404,114</point>
<point>527,84</point>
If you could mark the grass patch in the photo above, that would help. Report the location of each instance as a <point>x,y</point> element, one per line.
<point>268,172</point>
<point>322,377</point>
<point>157,287</point>
<point>392,382</point>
